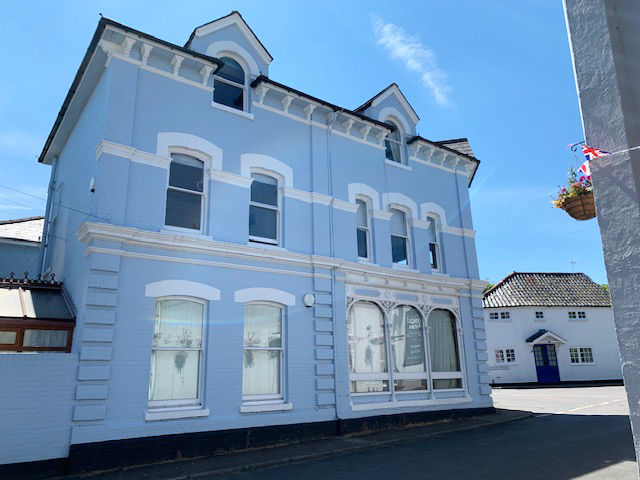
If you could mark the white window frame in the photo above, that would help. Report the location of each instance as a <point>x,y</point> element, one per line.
<point>367,229</point>
<point>499,356</point>
<point>408,224</point>
<point>155,405</point>
<point>539,315</point>
<point>505,316</point>
<point>579,352</point>
<point>436,231</point>
<point>572,315</point>
<point>395,123</point>
<point>204,195</point>
<point>494,316</point>
<point>506,356</point>
<point>425,348</point>
<point>450,375</point>
<point>244,86</point>
<point>271,398</point>
<point>278,208</point>
<point>582,315</point>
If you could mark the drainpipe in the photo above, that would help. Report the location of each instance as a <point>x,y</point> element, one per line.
<point>47,218</point>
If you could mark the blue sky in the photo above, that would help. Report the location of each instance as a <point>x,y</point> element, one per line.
<point>497,72</point>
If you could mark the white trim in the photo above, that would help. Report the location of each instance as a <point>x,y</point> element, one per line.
<point>220,48</point>
<point>382,215</point>
<point>168,140</point>
<point>187,288</point>
<point>392,113</point>
<point>395,198</point>
<point>344,206</point>
<point>88,232</point>
<point>355,189</point>
<point>132,154</point>
<point>310,197</point>
<point>230,178</point>
<point>174,414</point>
<point>411,403</point>
<point>266,407</point>
<point>428,209</point>
<point>259,294</point>
<point>235,111</point>
<point>249,161</point>
<point>394,89</point>
<point>235,19</point>
<point>548,334</point>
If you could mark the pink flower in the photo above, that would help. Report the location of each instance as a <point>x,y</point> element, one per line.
<point>563,189</point>
<point>589,178</point>
<point>582,178</point>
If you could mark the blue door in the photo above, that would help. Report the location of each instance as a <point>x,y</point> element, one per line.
<point>546,363</point>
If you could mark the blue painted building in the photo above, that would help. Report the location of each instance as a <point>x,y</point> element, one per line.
<point>241,255</point>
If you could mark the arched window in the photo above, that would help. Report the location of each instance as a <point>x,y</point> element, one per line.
<point>445,355</point>
<point>435,261</point>
<point>263,352</point>
<point>399,237</point>
<point>363,229</point>
<point>229,84</point>
<point>177,353</point>
<point>408,349</point>
<point>367,349</point>
<point>393,144</point>
<point>264,209</point>
<point>185,193</point>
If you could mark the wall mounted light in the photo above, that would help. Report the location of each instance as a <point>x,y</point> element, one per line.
<point>309,299</point>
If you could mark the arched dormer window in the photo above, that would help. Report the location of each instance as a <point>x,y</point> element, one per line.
<point>264,209</point>
<point>229,84</point>
<point>435,261</point>
<point>393,144</point>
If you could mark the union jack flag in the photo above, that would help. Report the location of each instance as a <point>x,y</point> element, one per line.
<point>586,168</point>
<point>590,153</point>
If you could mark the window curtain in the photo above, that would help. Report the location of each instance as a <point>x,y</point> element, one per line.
<point>367,349</point>
<point>175,360</point>
<point>407,345</point>
<point>262,350</point>
<point>45,338</point>
<point>443,345</point>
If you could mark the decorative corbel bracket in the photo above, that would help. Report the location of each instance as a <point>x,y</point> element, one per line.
<point>145,51</point>
<point>286,102</point>
<point>176,61</point>
<point>205,72</point>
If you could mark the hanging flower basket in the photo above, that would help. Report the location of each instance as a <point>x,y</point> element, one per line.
<point>577,197</point>
<point>580,207</point>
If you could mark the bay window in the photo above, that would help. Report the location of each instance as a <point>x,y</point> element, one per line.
<point>263,353</point>
<point>264,209</point>
<point>185,193</point>
<point>399,237</point>
<point>367,349</point>
<point>362,230</point>
<point>407,349</point>
<point>443,346</point>
<point>177,353</point>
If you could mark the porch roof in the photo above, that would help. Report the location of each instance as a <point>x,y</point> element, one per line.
<point>34,300</point>
<point>543,333</point>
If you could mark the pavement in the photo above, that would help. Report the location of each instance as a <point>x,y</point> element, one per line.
<point>574,433</point>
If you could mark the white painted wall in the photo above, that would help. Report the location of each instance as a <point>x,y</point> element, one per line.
<point>597,332</point>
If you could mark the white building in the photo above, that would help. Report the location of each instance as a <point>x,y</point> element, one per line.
<point>550,328</point>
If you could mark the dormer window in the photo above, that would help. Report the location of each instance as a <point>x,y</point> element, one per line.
<point>393,145</point>
<point>229,84</point>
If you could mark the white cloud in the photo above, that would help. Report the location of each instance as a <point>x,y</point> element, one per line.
<point>415,55</point>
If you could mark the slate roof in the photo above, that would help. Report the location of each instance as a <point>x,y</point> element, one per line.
<point>27,229</point>
<point>520,289</point>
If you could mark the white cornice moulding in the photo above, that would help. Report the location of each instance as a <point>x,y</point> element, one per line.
<point>130,153</point>
<point>88,232</point>
<point>382,215</point>
<point>231,178</point>
<point>345,206</point>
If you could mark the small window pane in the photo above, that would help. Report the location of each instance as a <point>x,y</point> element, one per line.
<point>261,372</point>
<point>263,222</point>
<point>398,223</point>
<point>178,323</point>
<point>433,256</point>
<point>431,231</point>
<point>362,243</point>
<point>499,356</point>
<point>174,374</point>
<point>369,386</point>
<point>8,338</point>
<point>228,95</point>
<point>361,214</point>
<point>262,326</point>
<point>45,338</point>
<point>399,250</point>
<point>186,172</point>
<point>231,70</point>
<point>446,383</point>
<point>183,209</point>
<point>408,385</point>
<point>264,190</point>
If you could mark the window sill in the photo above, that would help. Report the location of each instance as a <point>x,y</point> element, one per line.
<point>175,414</point>
<point>240,113</point>
<point>411,403</point>
<point>406,268</point>
<point>438,274</point>
<point>268,246</point>
<point>265,407</point>
<point>398,165</point>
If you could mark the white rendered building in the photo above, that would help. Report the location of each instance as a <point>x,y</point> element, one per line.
<point>550,328</point>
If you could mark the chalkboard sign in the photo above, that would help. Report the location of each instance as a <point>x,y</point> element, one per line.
<point>414,344</point>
